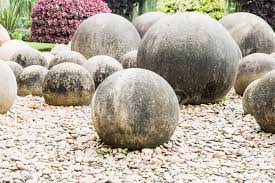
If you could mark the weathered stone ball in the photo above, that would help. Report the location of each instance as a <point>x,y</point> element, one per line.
<point>59,48</point>
<point>129,60</point>
<point>31,80</point>
<point>105,34</point>
<point>16,68</point>
<point>262,102</point>
<point>246,100</point>
<point>67,56</point>
<point>48,56</point>
<point>146,20</point>
<point>102,66</point>
<point>253,67</point>
<point>4,35</point>
<point>134,109</point>
<point>252,33</point>
<point>29,56</point>
<point>8,49</point>
<point>194,53</point>
<point>8,89</point>
<point>68,84</point>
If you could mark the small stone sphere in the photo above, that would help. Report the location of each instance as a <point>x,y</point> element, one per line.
<point>129,60</point>
<point>246,101</point>
<point>16,68</point>
<point>29,56</point>
<point>31,80</point>
<point>134,109</point>
<point>68,84</point>
<point>8,88</point>
<point>59,48</point>
<point>48,56</point>
<point>101,66</point>
<point>262,102</point>
<point>253,67</point>
<point>67,56</point>
<point>252,33</point>
<point>146,20</point>
<point>105,34</point>
<point>194,53</point>
<point>8,49</point>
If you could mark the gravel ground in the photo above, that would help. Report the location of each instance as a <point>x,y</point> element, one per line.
<point>213,143</point>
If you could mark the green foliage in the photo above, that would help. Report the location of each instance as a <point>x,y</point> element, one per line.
<point>41,46</point>
<point>222,100</point>
<point>214,8</point>
<point>16,35</point>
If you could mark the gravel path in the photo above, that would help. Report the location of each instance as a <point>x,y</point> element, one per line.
<point>213,143</point>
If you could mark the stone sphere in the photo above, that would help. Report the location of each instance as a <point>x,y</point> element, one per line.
<point>105,34</point>
<point>146,20</point>
<point>134,109</point>
<point>246,100</point>
<point>29,56</point>
<point>252,33</point>
<point>31,80</point>
<point>48,56</point>
<point>16,68</point>
<point>59,48</point>
<point>8,49</point>
<point>67,56</point>
<point>68,84</point>
<point>253,67</point>
<point>8,88</point>
<point>101,66</point>
<point>273,55</point>
<point>129,60</point>
<point>194,53</point>
<point>4,35</point>
<point>262,102</point>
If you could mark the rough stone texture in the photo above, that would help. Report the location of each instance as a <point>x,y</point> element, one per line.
<point>67,56</point>
<point>246,101</point>
<point>8,89</point>
<point>194,53</point>
<point>252,33</point>
<point>134,109</point>
<point>146,20</point>
<point>68,84</point>
<point>253,67</point>
<point>48,56</point>
<point>16,68</point>
<point>4,35</point>
<point>105,34</point>
<point>11,47</point>
<point>101,66</point>
<point>129,60</point>
<point>59,48</point>
<point>29,56</point>
<point>262,102</point>
<point>31,80</point>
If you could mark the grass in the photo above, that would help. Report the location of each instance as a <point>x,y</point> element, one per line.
<point>41,46</point>
<point>223,100</point>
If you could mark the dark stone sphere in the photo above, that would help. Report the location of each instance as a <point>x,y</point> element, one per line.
<point>246,100</point>
<point>16,68</point>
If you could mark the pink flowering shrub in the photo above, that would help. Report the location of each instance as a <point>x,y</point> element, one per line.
<point>55,21</point>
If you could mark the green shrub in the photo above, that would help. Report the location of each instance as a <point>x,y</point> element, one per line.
<point>214,8</point>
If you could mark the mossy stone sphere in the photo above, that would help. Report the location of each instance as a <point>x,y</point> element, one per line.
<point>252,33</point>
<point>31,80</point>
<point>194,53</point>
<point>8,89</point>
<point>101,66</point>
<point>9,48</point>
<point>16,68</point>
<point>68,84</point>
<point>129,60</point>
<point>134,109</point>
<point>59,48</point>
<point>246,100</point>
<point>146,20</point>
<point>253,67</point>
<point>67,56</point>
<point>29,56</point>
<point>105,34</point>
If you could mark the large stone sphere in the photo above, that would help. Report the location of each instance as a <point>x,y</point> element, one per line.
<point>253,67</point>
<point>135,108</point>
<point>8,49</point>
<point>68,84</point>
<point>194,53</point>
<point>252,33</point>
<point>101,66</point>
<point>16,68</point>
<point>4,35</point>
<point>67,56</point>
<point>31,80</point>
<point>60,48</point>
<point>262,102</point>
<point>146,20</point>
<point>29,56</point>
<point>129,60</point>
<point>246,100</point>
<point>8,89</point>
<point>105,34</point>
